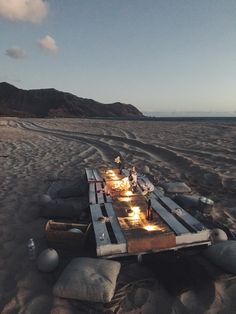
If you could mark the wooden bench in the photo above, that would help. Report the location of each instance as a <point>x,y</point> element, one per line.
<point>108,235</point>
<point>176,228</point>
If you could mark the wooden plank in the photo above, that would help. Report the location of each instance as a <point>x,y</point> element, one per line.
<point>141,182</point>
<point>125,172</point>
<point>97,175</point>
<point>103,242</point>
<point>99,191</point>
<point>90,175</point>
<point>172,222</point>
<point>104,246</point>
<point>193,238</point>
<point>92,194</point>
<point>158,193</point>
<point>115,225</point>
<point>108,199</point>
<point>182,214</point>
<point>145,184</point>
<point>151,243</point>
<point>101,234</point>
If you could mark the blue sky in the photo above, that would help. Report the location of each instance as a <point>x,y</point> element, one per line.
<point>157,55</point>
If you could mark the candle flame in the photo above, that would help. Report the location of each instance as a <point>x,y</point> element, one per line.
<point>136,211</point>
<point>128,193</point>
<point>124,199</point>
<point>112,174</point>
<point>135,217</point>
<point>152,228</point>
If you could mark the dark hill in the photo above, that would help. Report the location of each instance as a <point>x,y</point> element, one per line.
<point>53,103</point>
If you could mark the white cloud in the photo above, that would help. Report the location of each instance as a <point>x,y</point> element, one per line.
<point>15,53</point>
<point>24,10</point>
<point>48,43</point>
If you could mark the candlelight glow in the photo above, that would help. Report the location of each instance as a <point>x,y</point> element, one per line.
<point>136,211</point>
<point>135,217</point>
<point>124,199</point>
<point>124,184</point>
<point>116,185</point>
<point>112,174</point>
<point>130,213</point>
<point>128,193</point>
<point>152,228</point>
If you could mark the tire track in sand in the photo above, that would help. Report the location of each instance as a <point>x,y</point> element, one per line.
<point>183,166</point>
<point>107,153</point>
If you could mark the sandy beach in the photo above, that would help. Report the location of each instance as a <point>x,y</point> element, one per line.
<point>36,154</point>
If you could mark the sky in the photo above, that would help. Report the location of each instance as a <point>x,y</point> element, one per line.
<point>159,55</point>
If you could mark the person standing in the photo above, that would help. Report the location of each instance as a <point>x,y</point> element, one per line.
<point>119,162</point>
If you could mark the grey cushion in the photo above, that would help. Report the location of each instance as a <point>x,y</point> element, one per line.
<point>68,208</point>
<point>88,279</point>
<point>175,187</point>
<point>223,254</point>
<point>187,201</point>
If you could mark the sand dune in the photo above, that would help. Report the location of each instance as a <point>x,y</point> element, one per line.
<point>36,153</point>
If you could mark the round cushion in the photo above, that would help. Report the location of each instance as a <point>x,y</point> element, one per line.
<point>48,260</point>
<point>146,169</point>
<point>218,235</point>
<point>75,230</point>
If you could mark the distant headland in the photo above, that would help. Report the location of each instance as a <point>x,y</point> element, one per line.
<point>48,103</point>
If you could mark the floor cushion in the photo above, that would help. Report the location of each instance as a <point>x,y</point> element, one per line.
<point>175,187</point>
<point>88,279</point>
<point>223,254</point>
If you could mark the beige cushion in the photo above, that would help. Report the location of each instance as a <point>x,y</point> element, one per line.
<point>88,279</point>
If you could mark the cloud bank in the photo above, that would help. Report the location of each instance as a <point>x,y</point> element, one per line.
<point>48,43</point>
<point>15,53</point>
<point>24,10</point>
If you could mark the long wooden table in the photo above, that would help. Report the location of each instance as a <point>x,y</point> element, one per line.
<point>116,233</point>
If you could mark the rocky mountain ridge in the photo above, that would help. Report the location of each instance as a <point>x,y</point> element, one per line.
<point>53,103</point>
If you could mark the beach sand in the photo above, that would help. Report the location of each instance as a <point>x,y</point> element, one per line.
<point>39,154</point>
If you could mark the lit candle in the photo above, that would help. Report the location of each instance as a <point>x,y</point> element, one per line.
<point>136,211</point>
<point>152,228</point>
